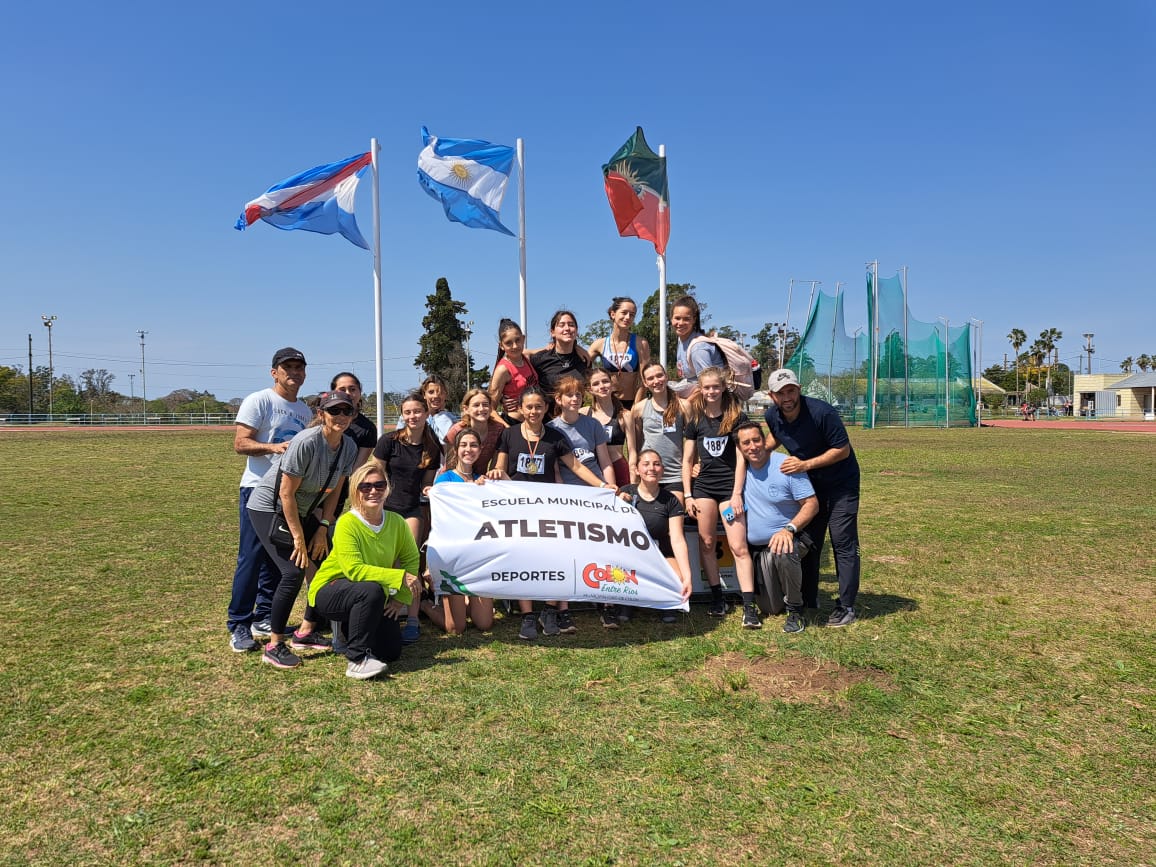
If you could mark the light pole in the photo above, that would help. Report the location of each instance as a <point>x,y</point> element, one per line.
<point>855,371</point>
<point>946,369</point>
<point>977,354</point>
<point>144,401</point>
<point>468,331</point>
<point>48,323</point>
<point>1090,348</point>
<point>779,327</point>
<point>131,391</point>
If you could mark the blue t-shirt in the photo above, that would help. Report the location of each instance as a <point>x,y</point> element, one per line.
<point>771,498</point>
<point>584,436</point>
<point>816,429</point>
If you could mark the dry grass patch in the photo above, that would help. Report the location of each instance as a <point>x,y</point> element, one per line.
<point>792,678</point>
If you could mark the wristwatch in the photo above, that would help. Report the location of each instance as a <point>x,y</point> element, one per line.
<point>792,529</point>
<point>326,522</point>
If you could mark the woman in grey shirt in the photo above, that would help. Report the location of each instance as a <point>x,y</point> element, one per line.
<point>304,486</point>
<point>658,424</point>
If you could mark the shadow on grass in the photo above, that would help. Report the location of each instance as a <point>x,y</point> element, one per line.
<point>867,604</point>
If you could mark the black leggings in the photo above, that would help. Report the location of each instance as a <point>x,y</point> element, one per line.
<point>291,574</point>
<point>360,605</point>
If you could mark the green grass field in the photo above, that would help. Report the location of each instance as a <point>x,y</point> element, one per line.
<point>993,705</point>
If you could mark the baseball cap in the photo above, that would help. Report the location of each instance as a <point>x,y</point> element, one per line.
<point>781,378</point>
<point>287,354</point>
<point>330,399</point>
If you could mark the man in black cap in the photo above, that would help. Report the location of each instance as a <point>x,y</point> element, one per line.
<point>266,421</point>
<point>813,434</point>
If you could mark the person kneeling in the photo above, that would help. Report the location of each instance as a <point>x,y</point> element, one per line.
<point>364,582</point>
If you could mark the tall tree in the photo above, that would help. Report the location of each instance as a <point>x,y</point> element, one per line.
<point>1018,337</point>
<point>442,343</point>
<point>766,348</point>
<point>1144,362</point>
<point>1049,338</point>
<point>1126,364</point>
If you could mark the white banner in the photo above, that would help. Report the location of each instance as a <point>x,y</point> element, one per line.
<point>521,540</point>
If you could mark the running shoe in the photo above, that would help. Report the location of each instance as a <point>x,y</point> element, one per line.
<point>280,656</point>
<point>241,641</point>
<point>609,617</point>
<point>261,629</point>
<point>529,630</point>
<point>312,641</point>
<point>841,617</point>
<point>795,622</point>
<point>366,668</point>
<point>549,622</point>
<point>566,623</point>
<point>718,608</point>
<point>751,617</point>
<point>411,632</point>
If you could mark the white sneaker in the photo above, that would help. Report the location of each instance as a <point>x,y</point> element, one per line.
<point>365,669</point>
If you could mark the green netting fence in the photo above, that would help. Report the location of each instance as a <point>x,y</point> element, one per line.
<point>895,371</point>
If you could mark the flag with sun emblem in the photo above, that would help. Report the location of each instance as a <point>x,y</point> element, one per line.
<point>468,177</point>
<point>635,180</point>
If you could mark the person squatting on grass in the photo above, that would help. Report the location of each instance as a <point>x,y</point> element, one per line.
<point>532,452</point>
<point>266,422</point>
<point>303,487</point>
<point>460,467</point>
<point>813,434</point>
<point>663,513</point>
<point>364,582</point>
<point>778,508</point>
<point>411,457</point>
<point>714,413</point>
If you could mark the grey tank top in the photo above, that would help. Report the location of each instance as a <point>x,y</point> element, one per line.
<point>667,441</point>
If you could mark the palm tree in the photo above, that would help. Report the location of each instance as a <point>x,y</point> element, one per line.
<point>1144,362</point>
<point>1048,340</point>
<point>1018,338</point>
<point>1126,364</point>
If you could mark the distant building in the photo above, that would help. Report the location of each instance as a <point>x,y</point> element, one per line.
<point>1115,395</point>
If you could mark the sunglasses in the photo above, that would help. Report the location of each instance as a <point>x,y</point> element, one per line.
<point>341,410</point>
<point>366,487</point>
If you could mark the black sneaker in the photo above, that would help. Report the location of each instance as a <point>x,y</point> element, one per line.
<point>241,641</point>
<point>529,630</point>
<point>566,623</point>
<point>751,617</point>
<point>795,622</point>
<point>312,641</point>
<point>609,617</point>
<point>841,617</point>
<point>280,656</point>
<point>718,608</point>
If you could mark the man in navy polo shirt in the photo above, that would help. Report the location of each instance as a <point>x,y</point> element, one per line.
<point>813,434</point>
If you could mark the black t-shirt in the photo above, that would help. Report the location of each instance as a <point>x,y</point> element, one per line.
<point>362,431</point>
<point>524,465</point>
<point>552,366</point>
<point>406,478</point>
<point>657,514</point>
<point>716,453</point>
<point>816,429</point>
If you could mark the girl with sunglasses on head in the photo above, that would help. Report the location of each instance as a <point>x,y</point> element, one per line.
<point>461,466</point>
<point>531,451</point>
<point>657,422</point>
<point>623,352</point>
<point>411,457</point>
<point>609,411</point>
<point>478,416</point>
<point>714,413</point>
<point>301,489</point>
<point>364,584</point>
<point>513,372</point>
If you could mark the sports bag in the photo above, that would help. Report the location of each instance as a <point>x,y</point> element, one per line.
<point>740,362</point>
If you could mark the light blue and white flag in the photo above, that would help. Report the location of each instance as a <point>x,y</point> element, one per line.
<point>318,200</point>
<point>468,177</point>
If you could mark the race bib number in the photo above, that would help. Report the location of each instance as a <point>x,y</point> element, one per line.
<point>583,455</point>
<point>609,428</point>
<point>715,446</point>
<point>531,465</point>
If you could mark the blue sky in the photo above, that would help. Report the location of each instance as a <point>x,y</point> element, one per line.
<point>1002,151</point>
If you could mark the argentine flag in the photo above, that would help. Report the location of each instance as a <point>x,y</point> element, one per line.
<point>468,177</point>
<point>317,200</point>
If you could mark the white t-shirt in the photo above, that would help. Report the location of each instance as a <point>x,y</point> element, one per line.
<point>275,420</point>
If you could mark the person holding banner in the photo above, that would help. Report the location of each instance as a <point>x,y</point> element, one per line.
<point>611,413</point>
<point>410,457</point>
<point>365,582</point>
<point>478,416</point>
<point>513,372</point>
<point>663,513</point>
<point>460,468</point>
<point>714,413</point>
<point>657,423</point>
<point>624,354</point>
<point>532,452</point>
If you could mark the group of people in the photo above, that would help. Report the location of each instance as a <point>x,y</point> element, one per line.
<point>604,417</point>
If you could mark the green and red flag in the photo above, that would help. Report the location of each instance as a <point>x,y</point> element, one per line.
<point>635,179</point>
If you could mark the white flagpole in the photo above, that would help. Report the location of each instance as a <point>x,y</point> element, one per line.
<point>522,233</point>
<point>378,361</point>
<point>662,291</point>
